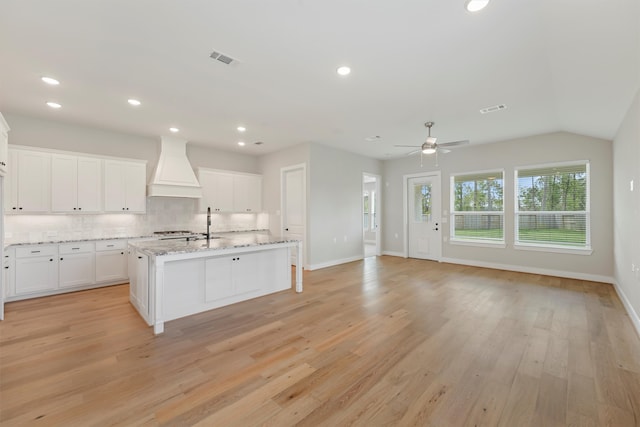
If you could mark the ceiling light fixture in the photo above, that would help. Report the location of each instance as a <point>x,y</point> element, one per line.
<point>134,102</point>
<point>344,71</point>
<point>54,104</point>
<point>50,81</point>
<point>241,144</point>
<point>241,128</point>
<point>475,5</point>
<point>174,130</point>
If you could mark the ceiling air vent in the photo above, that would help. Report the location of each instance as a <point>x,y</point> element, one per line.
<point>222,57</point>
<point>493,109</point>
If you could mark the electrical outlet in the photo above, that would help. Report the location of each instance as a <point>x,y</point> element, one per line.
<point>633,267</point>
<point>631,185</point>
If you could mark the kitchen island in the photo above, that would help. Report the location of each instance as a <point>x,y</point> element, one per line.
<point>170,279</point>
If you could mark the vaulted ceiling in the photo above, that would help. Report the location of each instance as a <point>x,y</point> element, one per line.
<point>557,65</point>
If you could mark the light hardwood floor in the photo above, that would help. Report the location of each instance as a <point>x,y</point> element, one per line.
<point>381,342</point>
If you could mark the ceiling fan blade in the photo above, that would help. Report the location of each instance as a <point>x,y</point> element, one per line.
<point>443,150</point>
<point>454,143</point>
<point>411,146</point>
<point>411,153</point>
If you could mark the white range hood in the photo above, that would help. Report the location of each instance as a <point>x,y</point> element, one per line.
<point>174,176</point>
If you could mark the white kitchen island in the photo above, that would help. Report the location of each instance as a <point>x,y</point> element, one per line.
<point>171,279</point>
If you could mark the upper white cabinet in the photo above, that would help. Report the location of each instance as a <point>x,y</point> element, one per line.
<point>124,186</point>
<point>225,191</point>
<point>247,193</point>
<point>76,184</point>
<point>28,186</point>
<point>4,145</point>
<point>217,190</point>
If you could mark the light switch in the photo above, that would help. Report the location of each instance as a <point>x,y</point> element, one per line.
<point>631,185</point>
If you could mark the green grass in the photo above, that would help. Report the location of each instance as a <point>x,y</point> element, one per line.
<point>551,235</point>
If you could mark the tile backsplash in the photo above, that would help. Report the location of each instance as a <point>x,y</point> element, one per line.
<point>163,213</point>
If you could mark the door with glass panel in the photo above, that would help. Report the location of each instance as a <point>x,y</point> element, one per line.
<point>424,217</point>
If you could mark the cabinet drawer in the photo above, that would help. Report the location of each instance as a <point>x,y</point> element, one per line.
<point>76,248</point>
<point>110,245</point>
<point>36,251</point>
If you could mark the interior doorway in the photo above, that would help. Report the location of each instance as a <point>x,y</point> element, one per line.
<point>294,206</point>
<point>422,215</point>
<point>371,203</point>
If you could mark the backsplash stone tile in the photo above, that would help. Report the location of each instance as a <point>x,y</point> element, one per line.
<point>163,213</point>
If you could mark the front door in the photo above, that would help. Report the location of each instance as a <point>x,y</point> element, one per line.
<point>423,199</point>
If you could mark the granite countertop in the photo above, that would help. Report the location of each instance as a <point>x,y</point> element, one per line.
<point>146,236</point>
<point>218,242</point>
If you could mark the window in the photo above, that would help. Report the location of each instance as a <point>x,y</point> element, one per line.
<point>477,207</point>
<point>369,208</point>
<point>552,207</point>
<point>422,202</point>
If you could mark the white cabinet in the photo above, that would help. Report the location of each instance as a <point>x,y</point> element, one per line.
<point>76,184</point>
<point>241,274</point>
<point>36,269</point>
<point>111,261</point>
<point>217,191</point>
<point>4,145</point>
<point>28,186</point>
<point>247,193</point>
<point>124,186</point>
<point>139,282</point>
<point>77,261</point>
<point>225,191</point>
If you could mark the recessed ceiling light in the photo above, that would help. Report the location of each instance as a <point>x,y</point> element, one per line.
<point>241,128</point>
<point>475,5</point>
<point>50,81</point>
<point>134,102</point>
<point>53,104</point>
<point>344,71</point>
<point>241,144</point>
<point>174,130</point>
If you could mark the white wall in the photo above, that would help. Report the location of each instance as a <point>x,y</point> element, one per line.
<point>335,205</point>
<point>626,222</point>
<point>540,149</point>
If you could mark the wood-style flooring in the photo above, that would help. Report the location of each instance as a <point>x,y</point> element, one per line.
<point>381,342</point>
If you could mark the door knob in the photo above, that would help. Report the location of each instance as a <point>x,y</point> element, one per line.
<point>286,229</point>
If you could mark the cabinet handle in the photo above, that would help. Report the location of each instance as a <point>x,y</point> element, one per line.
<point>74,209</point>
<point>61,259</point>
<point>20,208</point>
<point>51,259</point>
<point>75,249</point>
<point>110,246</point>
<point>79,209</point>
<point>7,267</point>
<point>14,208</point>
<point>35,252</point>
<point>121,253</point>
<point>139,257</point>
<point>122,208</point>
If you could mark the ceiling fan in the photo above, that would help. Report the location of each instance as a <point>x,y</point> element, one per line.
<point>430,146</point>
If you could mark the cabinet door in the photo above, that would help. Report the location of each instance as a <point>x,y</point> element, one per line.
<point>34,181</point>
<point>76,269</point>
<point>4,147</point>
<point>245,273</point>
<point>142,282</point>
<point>64,183</point>
<point>114,189</point>
<point>36,274</point>
<point>11,184</point>
<point>135,176</point>
<point>217,191</point>
<point>111,266</point>
<point>219,278</point>
<point>247,193</point>
<point>89,184</point>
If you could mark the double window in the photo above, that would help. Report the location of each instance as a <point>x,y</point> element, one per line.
<point>552,208</point>
<point>477,207</point>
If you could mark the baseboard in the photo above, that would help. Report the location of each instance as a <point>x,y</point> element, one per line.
<point>393,253</point>
<point>635,319</point>
<point>532,270</point>
<point>331,263</point>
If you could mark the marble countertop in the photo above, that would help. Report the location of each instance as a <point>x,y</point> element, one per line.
<point>218,242</point>
<point>9,243</point>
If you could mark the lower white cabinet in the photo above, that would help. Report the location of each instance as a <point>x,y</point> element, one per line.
<point>36,269</point>
<point>77,263</point>
<point>234,275</point>
<point>111,261</point>
<point>139,282</point>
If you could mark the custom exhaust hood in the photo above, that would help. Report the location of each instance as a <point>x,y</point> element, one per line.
<point>174,176</point>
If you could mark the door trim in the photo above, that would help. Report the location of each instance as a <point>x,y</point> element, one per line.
<point>305,243</point>
<point>378,210</point>
<point>405,203</point>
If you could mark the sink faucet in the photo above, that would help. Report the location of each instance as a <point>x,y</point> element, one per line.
<point>208,224</point>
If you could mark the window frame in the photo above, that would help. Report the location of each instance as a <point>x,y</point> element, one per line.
<point>548,246</point>
<point>484,242</point>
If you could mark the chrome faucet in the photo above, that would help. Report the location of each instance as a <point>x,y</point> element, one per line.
<point>208,224</point>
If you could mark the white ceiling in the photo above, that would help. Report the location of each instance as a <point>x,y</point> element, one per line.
<point>571,65</point>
